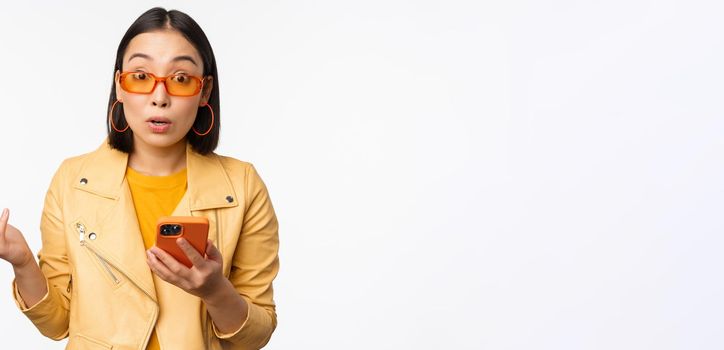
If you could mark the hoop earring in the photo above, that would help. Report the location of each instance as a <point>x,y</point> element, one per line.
<point>210,126</point>
<point>110,118</point>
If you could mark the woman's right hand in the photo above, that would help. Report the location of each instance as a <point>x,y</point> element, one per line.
<point>13,247</point>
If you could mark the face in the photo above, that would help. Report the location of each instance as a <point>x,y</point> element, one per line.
<point>158,119</point>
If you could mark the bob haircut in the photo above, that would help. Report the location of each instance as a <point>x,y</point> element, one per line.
<point>155,19</point>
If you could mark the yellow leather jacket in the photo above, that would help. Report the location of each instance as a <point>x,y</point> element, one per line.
<point>101,292</point>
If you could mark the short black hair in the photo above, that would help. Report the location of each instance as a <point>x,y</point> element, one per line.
<point>155,19</point>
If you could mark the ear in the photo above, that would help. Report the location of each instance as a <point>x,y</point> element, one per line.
<point>119,91</point>
<point>206,91</point>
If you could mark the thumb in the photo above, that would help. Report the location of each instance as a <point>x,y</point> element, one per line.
<point>4,219</point>
<point>213,253</point>
<point>3,224</point>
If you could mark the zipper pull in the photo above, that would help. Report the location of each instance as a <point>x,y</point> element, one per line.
<point>81,233</point>
<point>70,282</point>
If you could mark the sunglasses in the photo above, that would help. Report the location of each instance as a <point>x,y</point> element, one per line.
<point>176,84</point>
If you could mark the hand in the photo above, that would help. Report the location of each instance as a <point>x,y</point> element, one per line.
<point>203,279</point>
<point>13,247</point>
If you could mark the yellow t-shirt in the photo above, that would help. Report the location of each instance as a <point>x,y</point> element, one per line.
<point>153,197</point>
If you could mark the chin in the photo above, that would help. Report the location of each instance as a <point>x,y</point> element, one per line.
<point>159,140</point>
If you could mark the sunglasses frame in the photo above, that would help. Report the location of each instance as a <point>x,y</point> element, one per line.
<point>199,85</point>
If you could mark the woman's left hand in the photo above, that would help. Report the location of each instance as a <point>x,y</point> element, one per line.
<point>203,279</point>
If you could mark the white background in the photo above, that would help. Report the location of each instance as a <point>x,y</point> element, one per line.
<point>447,174</point>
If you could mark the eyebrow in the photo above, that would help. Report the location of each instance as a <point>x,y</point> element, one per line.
<point>176,59</point>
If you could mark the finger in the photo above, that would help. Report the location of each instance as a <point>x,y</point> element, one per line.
<point>213,253</point>
<point>4,219</point>
<point>190,252</point>
<point>170,262</point>
<point>4,222</point>
<point>159,268</point>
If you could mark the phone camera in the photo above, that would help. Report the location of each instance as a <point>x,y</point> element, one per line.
<point>170,229</point>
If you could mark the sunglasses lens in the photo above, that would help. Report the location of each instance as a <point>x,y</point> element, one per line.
<point>182,85</point>
<point>138,82</point>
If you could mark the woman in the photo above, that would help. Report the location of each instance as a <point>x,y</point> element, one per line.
<point>100,280</point>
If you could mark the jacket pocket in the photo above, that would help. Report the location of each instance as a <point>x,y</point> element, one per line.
<point>83,342</point>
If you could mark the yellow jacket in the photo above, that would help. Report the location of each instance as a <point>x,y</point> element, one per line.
<point>100,289</point>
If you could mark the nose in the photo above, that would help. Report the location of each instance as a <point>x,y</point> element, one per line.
<point>159,96</point>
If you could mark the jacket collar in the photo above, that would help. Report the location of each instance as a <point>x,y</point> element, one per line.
<point>104,171</point>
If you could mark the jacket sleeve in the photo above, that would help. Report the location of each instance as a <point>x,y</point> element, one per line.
<point>50,315</point>
<point>255,264</point>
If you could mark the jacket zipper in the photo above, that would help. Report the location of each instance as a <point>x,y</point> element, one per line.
<point>108,268</point>
<point>81,238</point>
<point>81,232</point>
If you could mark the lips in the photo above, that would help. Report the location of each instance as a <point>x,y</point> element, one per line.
<point>158,120</point>
<point>158,124</point>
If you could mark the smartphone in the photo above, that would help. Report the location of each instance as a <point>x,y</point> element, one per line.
<point>193,228</point>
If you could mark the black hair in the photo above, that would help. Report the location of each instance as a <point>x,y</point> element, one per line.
<point>155,19</point>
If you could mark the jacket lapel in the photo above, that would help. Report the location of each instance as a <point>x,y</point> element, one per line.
<point>209,186</point>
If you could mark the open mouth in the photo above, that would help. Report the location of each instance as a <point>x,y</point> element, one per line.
<point>159,124</point>
<point>158,120</point>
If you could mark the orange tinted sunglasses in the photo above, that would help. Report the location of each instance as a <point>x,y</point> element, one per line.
<point>176,84</point>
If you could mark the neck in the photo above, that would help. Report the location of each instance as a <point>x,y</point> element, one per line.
<point>158,161</point>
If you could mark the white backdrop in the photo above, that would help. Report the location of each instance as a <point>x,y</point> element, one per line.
<point>447,174</point>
